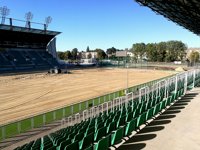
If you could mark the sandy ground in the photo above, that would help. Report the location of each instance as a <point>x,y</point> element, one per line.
<point>22,96</point>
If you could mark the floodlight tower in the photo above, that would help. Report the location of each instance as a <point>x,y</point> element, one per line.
<point>28,17</point>
<point>47,22</point>
<point>4,12</point>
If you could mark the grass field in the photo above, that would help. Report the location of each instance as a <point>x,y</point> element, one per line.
<point>24,96</point>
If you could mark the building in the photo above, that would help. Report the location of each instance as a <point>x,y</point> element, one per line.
<point>88,55</point>
<point>25,48</point>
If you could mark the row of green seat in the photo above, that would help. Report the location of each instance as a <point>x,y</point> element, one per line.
<point>107,129</point>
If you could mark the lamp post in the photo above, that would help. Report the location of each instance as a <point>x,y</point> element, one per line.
<point>126,73</point>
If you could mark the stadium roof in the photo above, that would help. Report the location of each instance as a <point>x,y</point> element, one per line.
<point>183,12</point>
<point>15,36</point>
<point>27,30</point>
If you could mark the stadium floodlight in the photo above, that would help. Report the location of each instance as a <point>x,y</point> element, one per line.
<point>28,17</point>
<point>47,21</point>
<point>4,12</point>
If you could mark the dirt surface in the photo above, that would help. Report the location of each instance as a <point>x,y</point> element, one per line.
<point>23,96</point>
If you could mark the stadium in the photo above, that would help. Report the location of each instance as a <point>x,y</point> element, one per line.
<point>45,107</point>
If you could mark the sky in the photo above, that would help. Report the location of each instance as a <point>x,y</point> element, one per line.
<point>100,23</point>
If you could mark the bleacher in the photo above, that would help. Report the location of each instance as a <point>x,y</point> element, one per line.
<point>109,128</point>
<point>5,63</point>
<point>26,49</point>
<point>26,59</point>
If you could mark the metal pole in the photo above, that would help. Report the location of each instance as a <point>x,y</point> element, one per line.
<point>127,79</point>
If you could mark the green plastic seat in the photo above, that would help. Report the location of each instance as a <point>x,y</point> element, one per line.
<point>121,121</point>
<point>137,112</point>
<point>129,116</point>
<point>141,119</point>
<point>100,133</point>
<point>156,109</point>
<point>117,135</point>
<point>72,146</point>
<point>90,130</point>
<point>111,127</point>
<point>169,100</point>
<point>64,144</point>
<point>102,144</point>
<point>52,148</point>
<point>89,148</point>
<point>87,141</point>
<point>47,146</point>
<point>130,127</point>
<point>107,122</point>
<point>60,140</point>
<point>100,125</point>
<point>149,113</point>
<point>78,137</point>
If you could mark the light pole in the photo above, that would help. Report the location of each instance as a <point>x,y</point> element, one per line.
<point>126,73</point>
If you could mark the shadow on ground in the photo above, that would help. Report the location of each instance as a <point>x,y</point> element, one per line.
<point>137,142</point>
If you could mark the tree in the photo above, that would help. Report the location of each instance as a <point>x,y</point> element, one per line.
<point>89,56</point>
<point>100,54</point>
<point>68,55</point>
<point>138,50</point>
<point>74,53</point>
<point>175,51</point>
<point>88,49</point>
<point>161,51</point>
<point>111,51</point>
<point>151,52</point>
<point>79,56</point>
<point>61,55</point>
<point>194,57</point>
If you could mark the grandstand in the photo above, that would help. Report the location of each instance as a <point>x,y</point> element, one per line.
<point>24,48</point>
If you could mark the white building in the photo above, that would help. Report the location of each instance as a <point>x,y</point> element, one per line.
<point>88,55</point>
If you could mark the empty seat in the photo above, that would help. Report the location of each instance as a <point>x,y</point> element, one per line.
<point>102,144</point>
<point>100,133</point>
<point>117,135</point>
<point>87,141</point>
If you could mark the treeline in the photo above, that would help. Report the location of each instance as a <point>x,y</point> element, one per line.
<point>74,54</point>
<point>156,52</point>
<point>160,52</point>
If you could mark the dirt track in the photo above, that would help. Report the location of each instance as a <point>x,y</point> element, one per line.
<point>22,96</point>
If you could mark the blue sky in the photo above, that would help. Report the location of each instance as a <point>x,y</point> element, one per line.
<point>100,23</point>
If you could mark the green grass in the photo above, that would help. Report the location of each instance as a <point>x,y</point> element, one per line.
<point>121,93</point>
<point>116,94</point>
<point>90,102</point>
<point>102,99</point>
<point>49,117</point>
<point>59,114</point>
<point>96,101</point>
<point>38,121</point>
<point>76,108</point>
<point>107,98</point>
<point>1,138</point>
<point>111,96</point>
<point>25,125</point>
<point>67,111</point>
<point>83,106</point>
<point>11,130</point>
